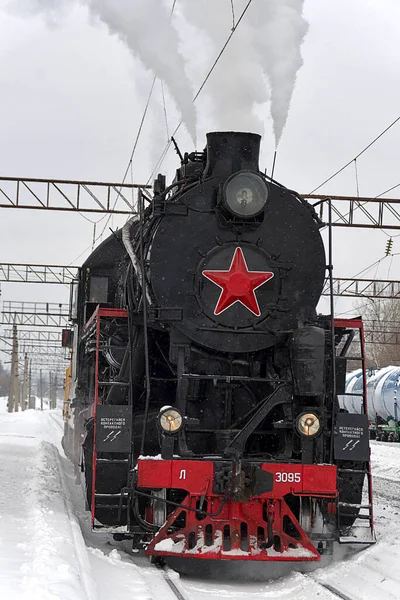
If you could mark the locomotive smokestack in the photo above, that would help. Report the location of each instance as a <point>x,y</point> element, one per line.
<point>231,151</point>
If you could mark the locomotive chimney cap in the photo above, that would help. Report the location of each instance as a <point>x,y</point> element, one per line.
<point>231,151</point>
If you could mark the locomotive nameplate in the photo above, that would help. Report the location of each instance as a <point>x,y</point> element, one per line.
<point>351,437</point>
<point>113,428</point>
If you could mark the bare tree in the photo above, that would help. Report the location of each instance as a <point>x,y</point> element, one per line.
<point>382,326</point>
<point>4,381</point>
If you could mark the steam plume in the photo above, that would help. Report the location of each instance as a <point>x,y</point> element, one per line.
<point>144,26</point>
<point>236,84</point>
<point>278,32</point>
<point>51,10</point>
<point>259,64</point>
<point>268,41</point>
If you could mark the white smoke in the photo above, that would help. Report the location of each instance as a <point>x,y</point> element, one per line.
<point>144,26</point>
<point>51,10</point>
<point>267,40</point>
<point>236,84</point>
<point>259,64</point>
<point>278,33</point>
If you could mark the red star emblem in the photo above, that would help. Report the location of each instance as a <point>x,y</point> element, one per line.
<point>238,284</point>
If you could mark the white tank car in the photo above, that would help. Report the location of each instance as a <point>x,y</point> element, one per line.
<point>385,391</point>
<point>354,384</point>
<point>382,389</point>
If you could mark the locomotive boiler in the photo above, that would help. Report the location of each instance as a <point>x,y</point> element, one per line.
<point>205,384</point>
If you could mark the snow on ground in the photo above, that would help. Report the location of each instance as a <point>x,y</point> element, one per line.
<point>386,460</point>
<point>48,552</point>
<point>43,555</point>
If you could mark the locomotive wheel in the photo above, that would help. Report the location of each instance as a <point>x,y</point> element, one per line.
<point>159,561</point>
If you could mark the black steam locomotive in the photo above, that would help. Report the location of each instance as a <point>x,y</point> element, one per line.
<point>205,384</point>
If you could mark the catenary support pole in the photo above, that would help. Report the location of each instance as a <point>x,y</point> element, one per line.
<point>31,402</point>
<point>13,398</point>
<point>25,383</point>
<point>41,390</point>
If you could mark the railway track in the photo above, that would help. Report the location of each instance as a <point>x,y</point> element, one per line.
<point>171,584</point>
<point>198,589</point>
<point>330,588</point>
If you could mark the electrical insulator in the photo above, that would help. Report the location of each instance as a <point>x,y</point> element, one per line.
<point>389,245</point>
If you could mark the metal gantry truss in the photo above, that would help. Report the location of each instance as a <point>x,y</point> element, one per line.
<point>48,362</point>
<point>23,273</point>
<point>55,352</point>
<point>354,211</point>
<point>80,196</point>
<point>38,337</point>
<point>43,347</point>
<point>383,337</point>
<point>36,314</point>
<point>68,195</point>
<point>364,288</point>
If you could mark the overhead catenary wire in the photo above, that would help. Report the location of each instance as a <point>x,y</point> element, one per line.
<point>362,272</point>
<point>375,265</point>
<point>389,235</point>
<point>361,204</point>
<point>357,156</point>
<point>135,145</point>
<point>233,14</point>
<point>127,170</point>
<point>356,174</point>
<point>390,266</point>
<point>165,109</point>
<point>208,75</point>
<point>388,190</point>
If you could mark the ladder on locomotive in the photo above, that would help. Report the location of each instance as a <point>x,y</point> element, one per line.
<point>107,505</point>
<point>363,529</point>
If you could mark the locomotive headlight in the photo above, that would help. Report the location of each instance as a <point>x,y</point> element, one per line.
<point>170,420</point>
<point>245,194</point>
<point>308,424</point>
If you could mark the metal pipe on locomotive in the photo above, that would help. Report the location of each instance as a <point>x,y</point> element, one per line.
<point>204,397</point>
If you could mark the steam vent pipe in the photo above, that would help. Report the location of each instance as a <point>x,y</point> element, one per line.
<point>230,151</point>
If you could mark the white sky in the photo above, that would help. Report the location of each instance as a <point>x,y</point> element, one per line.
<point>71,99</point>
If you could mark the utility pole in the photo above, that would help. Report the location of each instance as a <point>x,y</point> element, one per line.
<point>52,394</point>
<point>31,404</point>
<point>25,383</point>
<point>13,398</point>
<point>41,390</point>
<point>55,391</point>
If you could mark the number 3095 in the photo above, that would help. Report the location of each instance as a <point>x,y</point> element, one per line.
<point>287,477</point>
